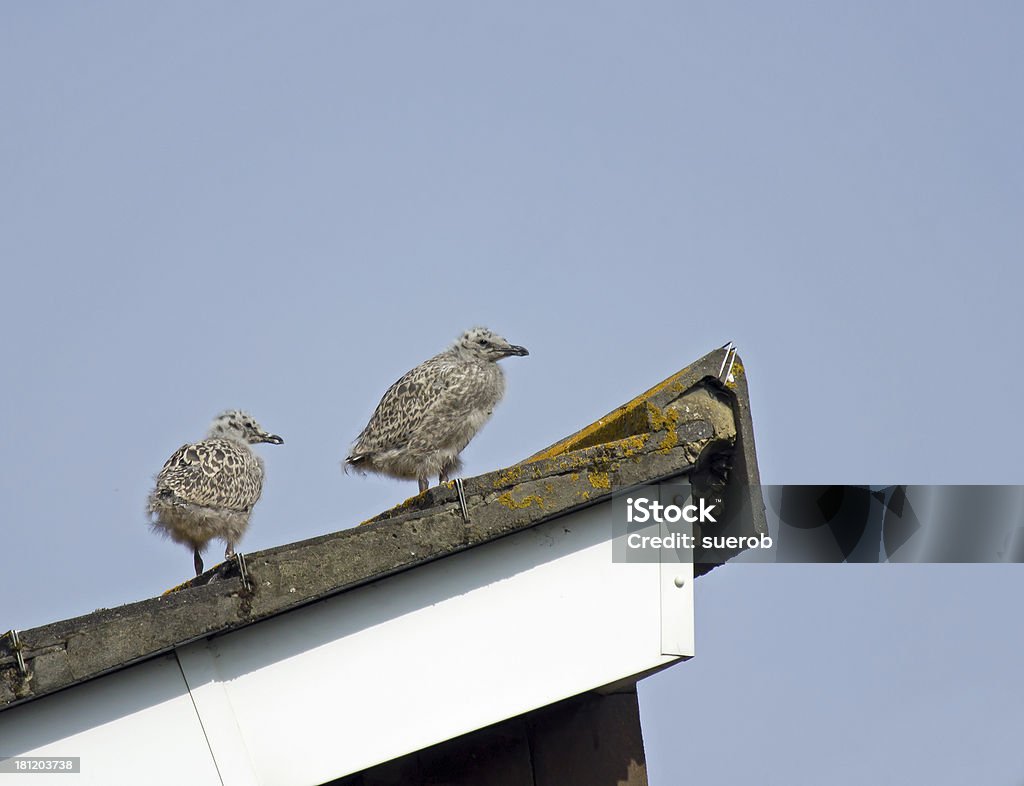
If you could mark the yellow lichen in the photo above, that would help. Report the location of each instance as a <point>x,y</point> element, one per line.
<point>571,461</point>
<point>617,424</point>
<point>509,477</point>
<point>737,372</point>
<point>630,446</point>
<point>507,500</point>
<point>177,588</point>
<point>599,480</point>
<point>666,420</point>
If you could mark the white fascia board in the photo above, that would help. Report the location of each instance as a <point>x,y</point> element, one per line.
<point>439,651</point>
<point>134,726</point>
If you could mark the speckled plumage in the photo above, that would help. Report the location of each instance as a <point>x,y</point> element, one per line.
<point>207,489</point>
<point>426,419</point>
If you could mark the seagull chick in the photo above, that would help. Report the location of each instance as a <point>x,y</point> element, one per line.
<point>427,418</point>
<point>207,489</point>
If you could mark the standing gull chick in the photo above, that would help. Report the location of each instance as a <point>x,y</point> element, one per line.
<point>207,489</point>
<point>427,418</point>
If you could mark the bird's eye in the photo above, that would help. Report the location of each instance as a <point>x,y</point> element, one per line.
<point>482,342</point>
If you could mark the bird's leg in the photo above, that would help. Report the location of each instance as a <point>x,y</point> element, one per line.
<point>424,484</point>
<point>443,477</point>
<point>198,558</point>
<point>229,552</point>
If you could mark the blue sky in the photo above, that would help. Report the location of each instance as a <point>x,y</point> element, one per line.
<point>283,207</point>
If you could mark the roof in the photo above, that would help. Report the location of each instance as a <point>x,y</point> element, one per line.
<point>697,422</point>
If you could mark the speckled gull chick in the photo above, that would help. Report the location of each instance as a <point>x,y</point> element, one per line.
<point>426,419</point>
<point>207,489</point>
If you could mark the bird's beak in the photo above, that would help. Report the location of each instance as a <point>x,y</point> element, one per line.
<point>514,350</point>
<point>273,439</point>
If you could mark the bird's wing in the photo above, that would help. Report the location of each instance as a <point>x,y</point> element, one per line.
<point>451,407</point>
<point>212,473</point>
<point>433,392</point>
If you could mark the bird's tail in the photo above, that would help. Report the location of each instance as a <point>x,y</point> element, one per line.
<point>355,461</point>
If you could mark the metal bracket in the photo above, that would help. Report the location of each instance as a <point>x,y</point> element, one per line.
<point>724,374</point>
<point>460,489</point>
<point>16,647</point>
<point>243,571</point>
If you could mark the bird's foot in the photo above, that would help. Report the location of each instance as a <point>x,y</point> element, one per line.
<point>424,484</point>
